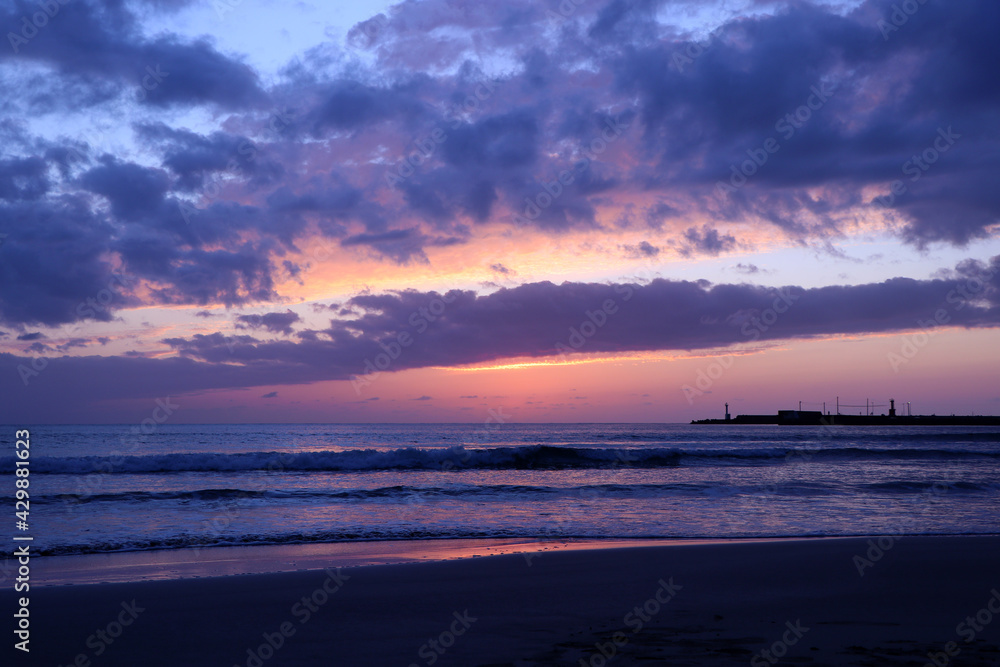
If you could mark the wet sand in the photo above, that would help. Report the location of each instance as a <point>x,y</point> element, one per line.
<point>919,601</point>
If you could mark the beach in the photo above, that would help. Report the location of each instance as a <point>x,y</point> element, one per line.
<point>833,601</point>
<point>433,333</point>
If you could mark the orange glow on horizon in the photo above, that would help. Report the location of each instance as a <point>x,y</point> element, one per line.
<point>556,361</point>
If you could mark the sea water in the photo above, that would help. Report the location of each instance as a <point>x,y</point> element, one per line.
<point>113,488</point>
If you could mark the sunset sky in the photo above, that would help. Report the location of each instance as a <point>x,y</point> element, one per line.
<point>547,210</point>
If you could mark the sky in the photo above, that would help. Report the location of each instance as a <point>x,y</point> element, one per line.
<point>529,211</point>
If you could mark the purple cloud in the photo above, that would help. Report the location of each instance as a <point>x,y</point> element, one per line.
<point>660,315</point>
<point>273,322</point>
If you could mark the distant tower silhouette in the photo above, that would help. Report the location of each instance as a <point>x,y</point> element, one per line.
<point>727,411</point>
<point>892,407</point>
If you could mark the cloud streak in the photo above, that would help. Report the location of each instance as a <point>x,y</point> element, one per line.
<point>525,321</point>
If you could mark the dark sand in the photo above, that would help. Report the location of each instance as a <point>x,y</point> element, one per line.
<point>802,598</point>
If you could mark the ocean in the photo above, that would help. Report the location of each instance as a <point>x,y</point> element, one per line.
<point>97,489</point>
